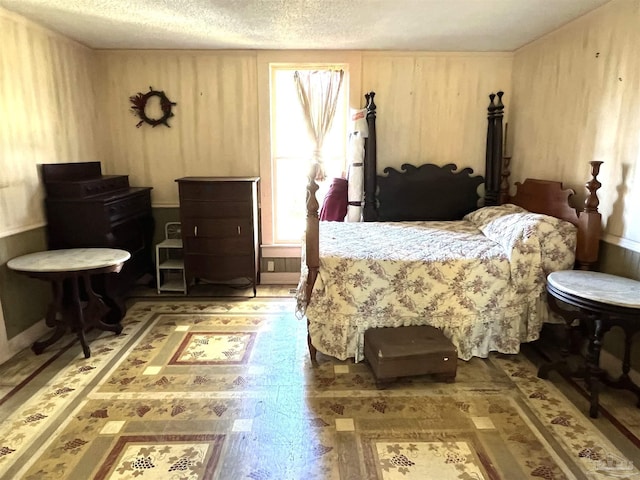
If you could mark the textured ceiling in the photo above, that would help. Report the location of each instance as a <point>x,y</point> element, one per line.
<point>430,25</point>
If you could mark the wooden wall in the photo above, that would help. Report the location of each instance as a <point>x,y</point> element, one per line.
<point>48,115</point>
<point>426,102</point>
<point>215,128</point>
<point>433,107</point>
<point>576,99</point>
<point>47,97</point>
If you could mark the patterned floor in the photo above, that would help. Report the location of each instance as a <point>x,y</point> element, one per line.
<point>224,389</point>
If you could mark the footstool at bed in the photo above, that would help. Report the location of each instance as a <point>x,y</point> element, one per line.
<point>406,351</point>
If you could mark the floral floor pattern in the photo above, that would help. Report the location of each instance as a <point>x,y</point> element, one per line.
<point>225,390</point>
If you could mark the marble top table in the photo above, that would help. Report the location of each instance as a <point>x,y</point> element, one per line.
<point>69,260</point>
<point>601,301</point>
<point>75,304</point>
<point>597,287</point>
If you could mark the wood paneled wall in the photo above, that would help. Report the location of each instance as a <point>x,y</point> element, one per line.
<point>215,128</point>
<point>48,114</point>
<point>433,107</point>
<point>577,99</point>
<point>426,103</point>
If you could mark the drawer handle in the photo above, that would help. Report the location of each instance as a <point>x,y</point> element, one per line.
<point>195,231</point>
<point>238,229</point>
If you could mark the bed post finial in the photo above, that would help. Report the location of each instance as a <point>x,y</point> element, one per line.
<point>371,106</point>
<point>589,224</point>
<point>592,201</point>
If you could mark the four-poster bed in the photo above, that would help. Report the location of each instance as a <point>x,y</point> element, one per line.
<point>423,256</point>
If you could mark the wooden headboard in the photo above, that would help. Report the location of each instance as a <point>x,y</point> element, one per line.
<point>550,198</point>
<point>424,192</point>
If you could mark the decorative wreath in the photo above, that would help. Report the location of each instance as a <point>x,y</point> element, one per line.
<point>140,103</point>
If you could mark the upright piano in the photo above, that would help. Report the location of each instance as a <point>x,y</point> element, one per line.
<point>85,208</point>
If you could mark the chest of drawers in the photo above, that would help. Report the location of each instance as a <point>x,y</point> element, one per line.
<point>220,235</point>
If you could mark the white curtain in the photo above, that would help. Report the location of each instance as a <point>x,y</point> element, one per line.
<point>318,94</point>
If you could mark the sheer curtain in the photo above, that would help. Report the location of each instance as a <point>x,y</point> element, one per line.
<point>318,94</point>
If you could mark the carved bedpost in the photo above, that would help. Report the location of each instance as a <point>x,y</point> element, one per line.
<point>369,212</point>
<point>589,224</point>
<point>504,185</point>
<point>505,173</point>
<point>493,167</point>
<point>312,246</point>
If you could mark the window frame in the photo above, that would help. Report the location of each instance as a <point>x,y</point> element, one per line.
<point>349,61</point>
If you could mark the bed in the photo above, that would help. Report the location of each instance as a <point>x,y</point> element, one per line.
<point>473,267</point>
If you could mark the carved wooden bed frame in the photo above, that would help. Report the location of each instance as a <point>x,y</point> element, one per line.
<point>423,193</point>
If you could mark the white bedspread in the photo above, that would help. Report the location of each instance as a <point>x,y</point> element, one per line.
<point>480,280</point>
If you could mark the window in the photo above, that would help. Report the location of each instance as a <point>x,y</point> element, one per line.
<point>291,150</point>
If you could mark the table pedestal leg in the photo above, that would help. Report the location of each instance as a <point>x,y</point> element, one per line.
<point>593,372</point>
<point>96,309</point>
<point>74,313</point>
<point>78,316</point>
<point>624,380</point>
<point>51,319</point>
<point>562,364</point>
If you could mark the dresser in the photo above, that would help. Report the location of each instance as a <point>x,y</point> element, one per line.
<point>220,233</point>
<point>85,208</point>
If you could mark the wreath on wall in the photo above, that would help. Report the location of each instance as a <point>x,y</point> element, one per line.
<point>139,102</point>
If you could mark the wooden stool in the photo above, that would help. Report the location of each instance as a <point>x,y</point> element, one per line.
<point>406,351</point>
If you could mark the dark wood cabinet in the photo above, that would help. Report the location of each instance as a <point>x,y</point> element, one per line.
<point>87,209</point>
<point>220,235</point>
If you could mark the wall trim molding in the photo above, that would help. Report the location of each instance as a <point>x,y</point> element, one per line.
<point>22,340</point>
<point>279,278</point>
<point>281,251</point>
<point>621,242</point>
<point>165,205</point>
<point>17,230</point>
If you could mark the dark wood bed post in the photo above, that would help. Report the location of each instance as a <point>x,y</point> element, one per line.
<point>589,224</point>
<point>493,160</point>
<point>370,211</point>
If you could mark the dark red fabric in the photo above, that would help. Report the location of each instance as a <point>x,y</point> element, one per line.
<point>334,206</point>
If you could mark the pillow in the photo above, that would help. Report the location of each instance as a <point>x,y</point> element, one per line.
<point>548,243</point>
<point>517,235</point>
<point>483,216</point>
<point>558,240</point>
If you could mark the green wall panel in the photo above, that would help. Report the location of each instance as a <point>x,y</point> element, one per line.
<point>24,299</point>
<point>626,263</point>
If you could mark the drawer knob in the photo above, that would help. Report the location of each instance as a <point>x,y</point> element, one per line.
<point>195,231</point>
<point>238,229</point>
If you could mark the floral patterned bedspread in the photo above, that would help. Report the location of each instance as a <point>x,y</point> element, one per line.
<point>480,280</point>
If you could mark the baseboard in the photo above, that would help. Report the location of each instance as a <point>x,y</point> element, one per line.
<point>613,365</point>
<point>279,278</point>
<point>23,340</point>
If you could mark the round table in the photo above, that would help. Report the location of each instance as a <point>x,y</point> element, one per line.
<point>74,266</point>
<point>601,301</point>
